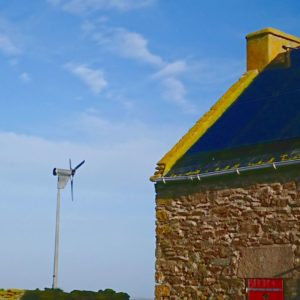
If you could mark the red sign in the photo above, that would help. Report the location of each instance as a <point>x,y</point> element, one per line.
<point>265,289</point>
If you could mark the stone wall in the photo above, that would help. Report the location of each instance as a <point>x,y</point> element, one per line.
<point>210,241</point>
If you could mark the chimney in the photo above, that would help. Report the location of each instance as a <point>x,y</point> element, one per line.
<point>264,45</point>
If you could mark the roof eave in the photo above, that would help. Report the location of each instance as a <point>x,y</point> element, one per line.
<point>238,171</point>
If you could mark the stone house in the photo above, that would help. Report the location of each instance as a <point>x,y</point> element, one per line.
<point>228,193</point>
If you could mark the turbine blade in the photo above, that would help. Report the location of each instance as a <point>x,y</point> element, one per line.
<point>70,163</point>
<point>72,192</point>
<point>78,166</point>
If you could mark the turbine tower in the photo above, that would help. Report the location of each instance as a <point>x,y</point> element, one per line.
<point>63,176</point>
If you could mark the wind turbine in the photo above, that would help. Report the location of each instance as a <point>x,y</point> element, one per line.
<point>63,176</point>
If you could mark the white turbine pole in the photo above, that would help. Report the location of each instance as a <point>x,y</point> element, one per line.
<point>63,176</point>
<point>55,271</point>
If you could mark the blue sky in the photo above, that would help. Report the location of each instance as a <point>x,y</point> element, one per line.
<point>117,83</point>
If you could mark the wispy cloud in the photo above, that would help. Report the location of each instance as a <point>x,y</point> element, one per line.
<point>211,72</point>
<point>87,6</point>
<point>93,78</point>
<point>173,86</point>
<point>127,44</point>
<point>25,77</point>
<point>135,46</point>
<point>172,69</point>
<point>7,46</point>
<point>175,92</point>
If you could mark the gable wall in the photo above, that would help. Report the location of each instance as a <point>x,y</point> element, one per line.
<point>210,240</point>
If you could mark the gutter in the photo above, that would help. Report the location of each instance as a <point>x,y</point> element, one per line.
<point>238,171</point>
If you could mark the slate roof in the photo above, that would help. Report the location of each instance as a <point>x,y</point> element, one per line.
<point>261,126</point>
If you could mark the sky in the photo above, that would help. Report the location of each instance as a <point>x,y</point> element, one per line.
<point>117,83</point>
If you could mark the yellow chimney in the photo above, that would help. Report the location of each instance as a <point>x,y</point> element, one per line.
<point>264,45</point>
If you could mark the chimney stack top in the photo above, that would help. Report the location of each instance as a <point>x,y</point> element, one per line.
<point>264,45</point>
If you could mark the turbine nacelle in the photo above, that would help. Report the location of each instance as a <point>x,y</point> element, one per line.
<point>62,172</point>
<point>65,174</point>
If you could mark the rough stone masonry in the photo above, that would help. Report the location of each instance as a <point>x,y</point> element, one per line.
<point>210,240</point>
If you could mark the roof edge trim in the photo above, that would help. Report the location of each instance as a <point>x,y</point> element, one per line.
<point>273,165</point>
<point>202,125</point>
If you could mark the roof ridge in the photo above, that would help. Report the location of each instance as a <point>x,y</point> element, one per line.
<point>203,124</point>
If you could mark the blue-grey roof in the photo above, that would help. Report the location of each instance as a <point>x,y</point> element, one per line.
<point>262,125</point>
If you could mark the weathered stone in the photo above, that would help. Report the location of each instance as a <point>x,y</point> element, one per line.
<point>208,281</point>
<point>202,237</point>
<point>249,228</point>
<point>297,251</point>
<point>220,210</point>
<point>162,291</point>
<point>283,202</point>
<point>207,234</point>
<point>164,202</point>
<point>220,232</point>
<point>199,212</point>
<point>220,261</point>
<point>296,211</point>
<point>162,215</point>
<point>191,223</point>
<point>266,241</point>
<point>163,229</point>
<point>291,185</point>
<point>265,262</point>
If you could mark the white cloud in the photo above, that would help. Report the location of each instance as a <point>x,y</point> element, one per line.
<point>209,72</point>
<point>25,77</point>
<point>175,92</point>
<point>96,128</point>
<point>93,78</point>
<point>100,141</point>
<point>135,46</point>
<point>87,6</point>
<point>127,44</point>
<point>172,69</point>
<point>174,89</point>
<point>7,46</point>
